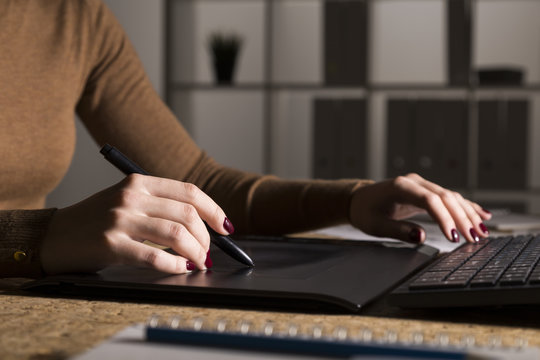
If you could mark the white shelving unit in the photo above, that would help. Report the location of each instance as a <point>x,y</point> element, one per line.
<point>264,121</point>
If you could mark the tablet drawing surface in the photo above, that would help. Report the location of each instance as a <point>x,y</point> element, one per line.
<point>288,272</point>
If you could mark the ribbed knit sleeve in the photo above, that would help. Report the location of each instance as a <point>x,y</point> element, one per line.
<point>21,232</point>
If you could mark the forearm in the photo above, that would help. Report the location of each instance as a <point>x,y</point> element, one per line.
<point>269,205</point>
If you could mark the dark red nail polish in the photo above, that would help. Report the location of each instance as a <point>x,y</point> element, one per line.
<point>487,211</point>
<point>415,235</point>
<point>208,262</point>
<point>474,235</point>
<point>228,226</point>
<point>484,228</point>
<point>190,266</point>
<point>455,235</point>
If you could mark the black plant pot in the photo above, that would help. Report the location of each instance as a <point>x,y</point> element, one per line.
<point>224,65</point>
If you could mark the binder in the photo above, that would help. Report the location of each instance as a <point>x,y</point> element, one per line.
<point>442,138</point>
<point>326,132</point>
<point>339,138</point>
<point>503,143</point>
<point>518,130</point>
<point>429,137</point>
<point>455,149</point>
<point>353,140</point>
<point>345,42</point>
<point>489,126</point>
<point>400,137</point>
<point>459,33</point>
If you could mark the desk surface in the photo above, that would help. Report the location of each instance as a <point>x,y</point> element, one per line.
<point>36,327</point>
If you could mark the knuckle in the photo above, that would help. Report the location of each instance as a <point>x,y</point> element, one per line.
<point>133,181</point>
<point>413,176</point>
<point>190,213</point>
<point>177,231</point>
<point>126,198</point>
<point>115,218</point>
<point>431,199</point>
<point>191,191</point>
<point>447,196</point>
<point>152,258</point>
<point>399,181</point>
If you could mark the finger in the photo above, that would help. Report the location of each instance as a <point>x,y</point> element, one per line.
<point>133,253</point>
<point>188,193</point>
<point>485,214</point>
<point>473,215</point>
<point>409,191</point>
<point>179,212</point>
<point>467,220</point>
<point>402,230</point>
<point>167,233</point>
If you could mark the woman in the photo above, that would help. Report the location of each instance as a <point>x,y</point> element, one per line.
<point>61,56</point>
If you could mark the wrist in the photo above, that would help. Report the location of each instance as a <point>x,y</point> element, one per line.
<point>353,197</point>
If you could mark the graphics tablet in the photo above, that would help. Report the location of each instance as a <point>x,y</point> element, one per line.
<point>289,273</point>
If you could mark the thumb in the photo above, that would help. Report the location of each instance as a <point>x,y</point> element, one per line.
<point>402,230</point>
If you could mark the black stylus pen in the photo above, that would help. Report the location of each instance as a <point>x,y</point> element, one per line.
<point>127,166</point>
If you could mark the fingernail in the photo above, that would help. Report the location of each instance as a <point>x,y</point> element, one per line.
<point>190,266</point>
<point>415,235</point>
<point>474,235</point>
<point>208,262</point>
<point>487,211</point>
<point>228,226</point>
<point>484,228</point>
<point>455,235</point>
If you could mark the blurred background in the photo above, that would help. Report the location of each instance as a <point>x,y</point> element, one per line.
<point>345,88</point>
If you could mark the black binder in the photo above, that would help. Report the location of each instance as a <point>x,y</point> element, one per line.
<point>503,127</point>
<point>459,32</point>
<point>345,42</point>
<point>339,138</point>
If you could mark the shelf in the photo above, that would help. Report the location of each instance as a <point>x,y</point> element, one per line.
<point>526,87</point>
<point>374,87</point>
<point>201,86</point>
<point>507,192</point>
<point>263,86</point>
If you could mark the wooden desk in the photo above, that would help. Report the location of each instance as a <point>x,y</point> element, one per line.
<point>36,327</point>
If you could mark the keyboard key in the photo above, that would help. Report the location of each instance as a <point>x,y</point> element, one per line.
<point>512,281</point>
<point>481,282</point>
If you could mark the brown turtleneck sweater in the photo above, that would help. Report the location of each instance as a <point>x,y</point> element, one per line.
<point>58,57</point>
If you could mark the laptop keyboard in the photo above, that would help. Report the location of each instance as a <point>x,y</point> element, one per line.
<point>494,262</point>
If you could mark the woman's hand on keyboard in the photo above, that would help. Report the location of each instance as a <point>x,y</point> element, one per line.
<point>379,210</point>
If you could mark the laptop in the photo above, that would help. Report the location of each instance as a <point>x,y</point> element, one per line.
<point>292,273</point>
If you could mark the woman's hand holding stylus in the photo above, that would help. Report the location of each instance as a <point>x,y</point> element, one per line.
<point>109,228</point>
<point>379,209</point>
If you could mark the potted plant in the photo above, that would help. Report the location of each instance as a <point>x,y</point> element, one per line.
<point>224,48</point>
